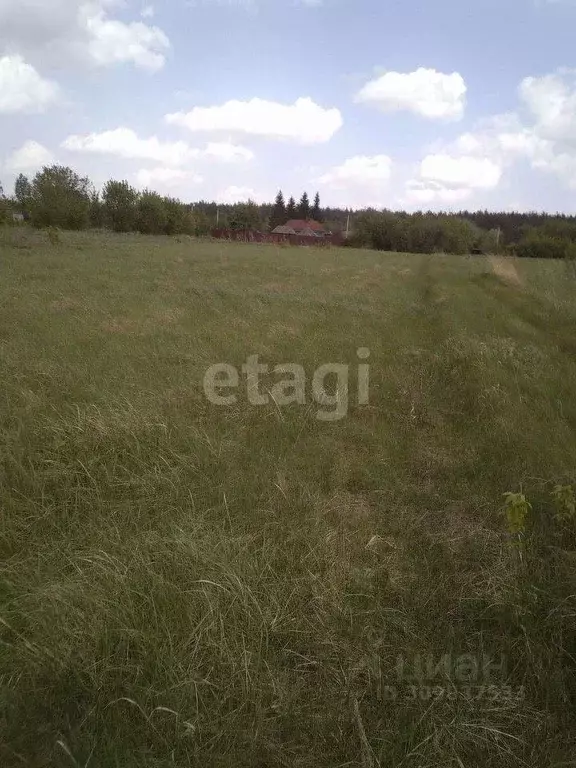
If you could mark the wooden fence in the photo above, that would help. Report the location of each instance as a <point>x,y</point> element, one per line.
<point>250,236</point>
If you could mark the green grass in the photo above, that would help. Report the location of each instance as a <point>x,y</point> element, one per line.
<point>185,584</point>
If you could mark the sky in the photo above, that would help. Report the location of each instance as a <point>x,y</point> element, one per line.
<point>402,104</point>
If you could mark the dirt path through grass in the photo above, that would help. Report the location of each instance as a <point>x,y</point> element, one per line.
<point>505,269</point>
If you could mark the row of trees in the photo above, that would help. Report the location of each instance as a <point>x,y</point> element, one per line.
<point>420,233</point>
<point>552,239</point>
<point>283,212</point>
<point>58,196</point>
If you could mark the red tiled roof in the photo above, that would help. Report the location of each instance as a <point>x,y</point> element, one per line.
<point>299,224</point>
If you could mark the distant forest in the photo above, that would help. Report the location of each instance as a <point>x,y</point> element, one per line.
<point>58,197</point>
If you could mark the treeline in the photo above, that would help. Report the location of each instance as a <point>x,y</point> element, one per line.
<point>58,197</point>
<point>554,238</point>
<point>420,233</point>
<point>538,236</point>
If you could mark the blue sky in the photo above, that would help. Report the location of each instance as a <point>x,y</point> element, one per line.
<point>389,103</point>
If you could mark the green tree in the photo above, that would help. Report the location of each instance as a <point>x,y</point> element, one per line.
<point>291,211</point>
<point>60,198</point>
<point>245,216</point>
<point>23,193</point>
<point>457,235</point>
<point>96,210</point>
<point>197,223</point>
<point>152,215</point>
<point>120,206</point>
<point>3,206</point>
<point>304,207</point>
<point>278,215</point>
<point>316,210</point>
<point>177,217</point>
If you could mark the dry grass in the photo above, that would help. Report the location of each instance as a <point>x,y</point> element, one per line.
<point>185,584</point>
<point>505,268</point>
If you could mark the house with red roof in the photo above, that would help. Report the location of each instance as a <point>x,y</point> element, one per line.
<point>302,227</point>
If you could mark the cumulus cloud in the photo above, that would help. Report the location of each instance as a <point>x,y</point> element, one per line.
<point>22,89</point>
<point>125,143</point>
<point>542,132</point>
<point>552,102</point>
<point>429,193</point>
<point>425,92</point>
<point>550,142</point>
<point>233,194</point>
<point>360,170</point>
<point>360,181</point>
<point>31,157</point>
<point>167,178</point>
<point>461,172</point>
<point>304,122</point>
<point>228,152</point>
<point>449,179</point>
<point>115,42</point>
<point>60,30</point>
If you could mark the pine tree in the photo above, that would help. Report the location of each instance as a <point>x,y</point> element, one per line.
<point>304,207</point>
<point>316,210</point>
<point>278,215</point>
<point>291,211</point>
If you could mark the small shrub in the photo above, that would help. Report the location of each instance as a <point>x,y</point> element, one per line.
<point>565,503</point>
<point>53,236</point>
<point>517,510</point>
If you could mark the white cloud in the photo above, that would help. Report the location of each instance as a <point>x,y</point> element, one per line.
<point>449,179</point>
<point>360,170</point>
<point>125,143</point>
<point>425,92</point>
<point>165,177</point>
<point>58,31</point>
<point>425,193</point>
<point>31,157</point>
<point>22,89</point>
<point>115,42</point>
<point>543,132</point>
<point>234,194</point>
<point>147,12</point>
<point>360,181</point>
<point>304,121</point>
<point>461,172</point>
<point>228,152</point>
<point>552,101</point>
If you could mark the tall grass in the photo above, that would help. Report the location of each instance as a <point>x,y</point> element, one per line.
<point>182,584</point>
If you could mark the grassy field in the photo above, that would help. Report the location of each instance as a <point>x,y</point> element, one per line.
<point>185,584</point>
